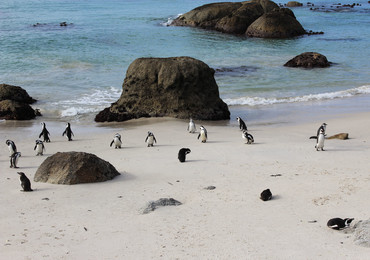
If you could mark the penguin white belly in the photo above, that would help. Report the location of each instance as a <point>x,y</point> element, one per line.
<point>150,140</point>
<point>320,142</point>
<point>39,149</point>
<point>203,137</point>
<point>117,142</point>
<point>191,127</point>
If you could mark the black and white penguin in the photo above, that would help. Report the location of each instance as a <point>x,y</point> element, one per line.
<point>14,159</point>
<point>25,182</point>
<point>266,195</point>
<point>39,147</point>
<point>191,126</point>
<point>44,133</point>
<point>150,139</point>
<point>182,154</point>
<point>242,125</point>
<point>68,132</point>
<point>11,146</point>
<point>248,137</point>
<point>322,127</point>
<point>203,134</point>
<point>320,140</point>
<point>338,223</point>
<point>116,141</point>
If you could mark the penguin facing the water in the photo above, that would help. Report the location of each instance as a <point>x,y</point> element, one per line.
<point>320,140</point>
<point>44,133</point>
<point>14,159</point>
<point>39,147</point>
<point>11,146</point>
<point>248,137</point>
<point>242,125</point>
<point>182,154</point>
<point>322,127</point>
<point>191,126</point>
<point>25,182</point>
<point>203,134</point>
<point>116,141</point>
<point>68,132</point>
<point>150,139</point>
<point>338,223</point>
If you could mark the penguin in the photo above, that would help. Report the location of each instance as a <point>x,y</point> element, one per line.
<point>14,159</point>
<point>25,182</point>
<point>68,132</point>
<point>338,223</point>
<point>248,137</point>
<point>242,125</point>
<point>320,140</point>
<point>39,147</point>
<point>11,146</point>
<point>117,141</point>
<point>203,134</point>
<point>44,133</point>
<point>150,139</point>
<point>266,195</point>
<point>322,127</point>
<point>191,126</point>
<point>182,154</point>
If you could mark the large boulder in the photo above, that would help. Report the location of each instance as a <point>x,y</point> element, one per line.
<point>278,23</point>
<point>308,60</point>
<point>74,168</point>
<point>180,87</point>
<point>15,93</point>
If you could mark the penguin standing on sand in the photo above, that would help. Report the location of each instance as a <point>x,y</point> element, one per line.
<point>11,146</point>
<point>25,182</point>
<point>150,139</point>
<point>266,195</point>
<point>338,223</point>
<point>242,125</point>
<point>203,134</point>
<point>44,133</point>
<point>39,147</point>
<point>248,137</point>
<point>182,154</point>
<point>68,132</point>
<point>191,126</point>
<point>116,141</point>
<point>14,159</point>
<point>322,127</point>
<point>320,140</point>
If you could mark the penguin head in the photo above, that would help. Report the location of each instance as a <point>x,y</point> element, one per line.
<point>238,118</point>
<point>68,125</point>
<point>347,221</point>
<point>21,173</point>
<point>150,133</point>
<point>8,142</point>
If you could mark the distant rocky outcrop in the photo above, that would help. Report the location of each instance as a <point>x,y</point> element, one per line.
<point>309,60</point>
<point>180,87</point>
<point>294,4</point>
<point>74,168</point>
<point>153,205</point>
<point>14,103</point>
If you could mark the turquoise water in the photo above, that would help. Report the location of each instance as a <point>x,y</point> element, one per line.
<point>77,70</point>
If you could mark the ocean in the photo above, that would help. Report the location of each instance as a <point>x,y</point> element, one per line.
<point>75,71</point>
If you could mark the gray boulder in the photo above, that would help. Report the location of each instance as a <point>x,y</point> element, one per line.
<point>308,60</point>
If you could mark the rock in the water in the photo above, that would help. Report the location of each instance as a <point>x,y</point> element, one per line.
<point>341,136</point>
<point>362,233</point>
<point>294,4</point>
<point>74,168</point>
<point>308,60</point>
<point>13,110</point>
<point>153,205</point>
<point>180,87</point>
<point>15,93</point>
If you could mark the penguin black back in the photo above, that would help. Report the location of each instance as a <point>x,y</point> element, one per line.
<point>182,154</point>
<point>242,125</point>
<point>266,195</point>
<point>68,132</point>
<point>25,182</point>
<point>44,133</point>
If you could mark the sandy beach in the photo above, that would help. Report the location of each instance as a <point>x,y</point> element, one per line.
<point>104,220</point>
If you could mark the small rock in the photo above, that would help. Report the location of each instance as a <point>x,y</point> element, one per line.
<point>210,188</point>
<point>153,205</point>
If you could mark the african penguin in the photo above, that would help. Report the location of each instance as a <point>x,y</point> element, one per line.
<point>68,132</point>
<point>182,154</point>
<point>248,137</point>
<point>14,159</point>
<point>44,133</point>
<point>338,223</point>
<point>11,146</point>
<point>191,126</point>
<point>320,140</point>
<point>39,147</point>
<point>322,127</point>
<point>266,195</point>
<point>150,139</point>
<point>116,141</point>
<point>25,182</point>
<point>203,134</point>
<point>242,125</point>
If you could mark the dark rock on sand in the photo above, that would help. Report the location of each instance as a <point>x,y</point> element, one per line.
<point>74,168</point>
<point>153,205</point>
<point>294,4</point>
<point>180,87</point>
<point>15,93</point>
<point>308,60</point>
<point>341,136</point>
<point>13,110</point>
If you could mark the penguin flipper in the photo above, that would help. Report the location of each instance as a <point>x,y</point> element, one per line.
<point>155,140</point>
<point>111,143</point>
<point>198,135</point>
<point>40,135</point>
<point>65,131</point>
<point>146,139</point>
<point>313,137</point>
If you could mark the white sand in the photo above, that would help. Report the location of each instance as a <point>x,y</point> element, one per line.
<point>103,220</point>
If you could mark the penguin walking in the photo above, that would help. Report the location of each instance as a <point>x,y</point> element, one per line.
<point>191,126</point>
<point>14,159</point>
<point>44,133</point>
<point>116,141</point>
<point>242,125</point>
<point>11,146</point>
<point>248,137</point>
<point>150,139</point>
<point>338,223</point>
<point>203,134</point>
<point>320,140</point>
<point>322,127</point>
<point>266,195</point>
<point>68,132</point>
<point>25,182</point>
<point>39,147</point>
<point>182,154</point>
